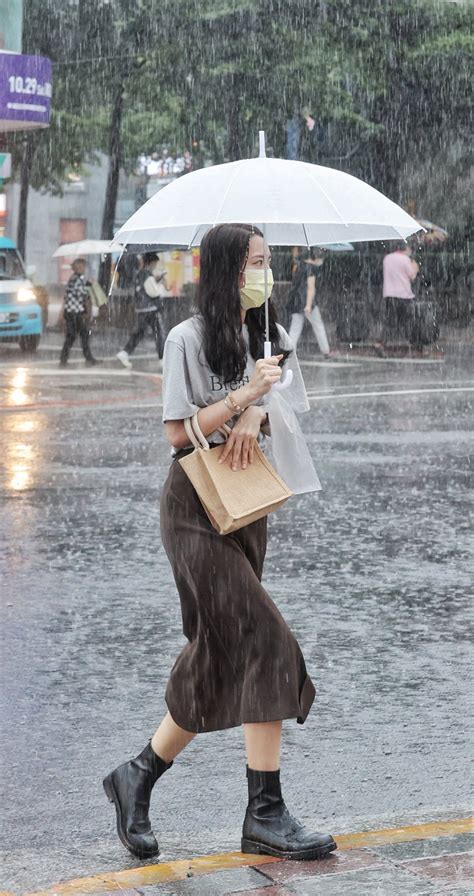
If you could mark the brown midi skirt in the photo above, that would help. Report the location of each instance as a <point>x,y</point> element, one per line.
<point>241,663</point>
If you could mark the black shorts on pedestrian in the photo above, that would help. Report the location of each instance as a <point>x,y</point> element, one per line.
<point>399,319</point>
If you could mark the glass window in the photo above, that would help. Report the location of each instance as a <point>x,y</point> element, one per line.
<point>11,267</point>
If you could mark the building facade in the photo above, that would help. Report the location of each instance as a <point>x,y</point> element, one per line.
<point>76,215</point>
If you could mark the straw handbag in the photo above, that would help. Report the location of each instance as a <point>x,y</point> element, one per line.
<point>231,498</point>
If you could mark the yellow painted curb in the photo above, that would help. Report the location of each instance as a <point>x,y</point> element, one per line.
<point>154,874</point>
<point>182,868</point>
<point>405,834</point>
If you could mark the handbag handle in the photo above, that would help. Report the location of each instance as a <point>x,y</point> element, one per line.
<point>195,434</point>
<point>191,435</point>
<point>198,434</point>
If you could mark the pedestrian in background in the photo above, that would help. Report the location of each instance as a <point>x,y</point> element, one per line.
<point>301,299</point>
<point>150,286</point>
<point>77,313</point>
<point>399,273</point>
<point>241,664</point>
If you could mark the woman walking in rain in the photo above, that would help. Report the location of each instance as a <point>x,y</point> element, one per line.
<point>241,665</point>
<point>301,299</point>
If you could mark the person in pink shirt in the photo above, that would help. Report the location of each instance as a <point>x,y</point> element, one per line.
<point>399,272</point>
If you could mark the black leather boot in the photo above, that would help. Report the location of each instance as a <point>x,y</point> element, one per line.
<point>129,786</point>
<point>269,829</point>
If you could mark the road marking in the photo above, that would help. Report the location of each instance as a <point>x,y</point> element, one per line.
<point>403,360</point>
<point>341,365</point>
<point>387,385</point>
<point>360,360</point>
<point>103,402</point>
<point>336,395</point>
<point>23,362</point>
<point>118,370</point>
<point>182,868</point>
<point>88,372</point>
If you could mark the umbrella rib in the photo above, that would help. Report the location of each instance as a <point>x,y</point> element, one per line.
<point>194,236</point>
<point>400,234</point>
<point>306,236</point>
<point>313,179</point>
<point>216,216</point>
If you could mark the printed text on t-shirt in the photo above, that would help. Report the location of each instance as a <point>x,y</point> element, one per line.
<point>217,384</point>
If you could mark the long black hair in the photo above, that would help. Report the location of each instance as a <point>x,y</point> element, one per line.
<point>224,252</point>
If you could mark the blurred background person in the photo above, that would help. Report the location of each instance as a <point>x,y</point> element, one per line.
<point>399,273</point>
<point>302,296</point>
<point>150,286</point>
<point>77,313</point>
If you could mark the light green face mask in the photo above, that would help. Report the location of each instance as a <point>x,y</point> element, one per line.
<point>253,295</point>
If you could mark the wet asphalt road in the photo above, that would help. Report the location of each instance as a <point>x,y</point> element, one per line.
<point>372,575</point>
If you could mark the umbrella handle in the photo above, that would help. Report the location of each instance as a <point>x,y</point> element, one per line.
<point>287,377</point>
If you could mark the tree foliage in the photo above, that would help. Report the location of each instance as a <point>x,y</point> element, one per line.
<point>386,81</point>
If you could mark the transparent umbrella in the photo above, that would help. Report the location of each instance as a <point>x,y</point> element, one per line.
<point>299,204</point>
<point>294,204</point>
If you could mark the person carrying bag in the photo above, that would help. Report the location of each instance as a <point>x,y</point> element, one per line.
<point>232,499</point>
<point>241,664</point>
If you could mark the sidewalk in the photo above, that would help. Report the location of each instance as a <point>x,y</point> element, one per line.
<point>433,859</point>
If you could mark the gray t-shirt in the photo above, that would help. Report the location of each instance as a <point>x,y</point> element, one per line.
<point>189,383</point>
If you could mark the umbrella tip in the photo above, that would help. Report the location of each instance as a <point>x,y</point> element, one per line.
<point>261,140</point>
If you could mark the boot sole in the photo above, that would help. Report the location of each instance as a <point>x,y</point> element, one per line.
<point>111,795</point>
<point>301,855</point>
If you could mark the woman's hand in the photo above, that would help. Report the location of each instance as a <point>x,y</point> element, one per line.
<point>240,444</point>
<point>266,373</point>
<point>307,310</point>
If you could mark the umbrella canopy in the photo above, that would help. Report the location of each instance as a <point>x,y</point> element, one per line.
<point>295,203</point>
<point>87,247</point>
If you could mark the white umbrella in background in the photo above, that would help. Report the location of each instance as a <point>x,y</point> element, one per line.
<point>87,247</point>
<point>294,204</point>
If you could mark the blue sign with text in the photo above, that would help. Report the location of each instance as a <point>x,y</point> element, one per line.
<point>25,91</point>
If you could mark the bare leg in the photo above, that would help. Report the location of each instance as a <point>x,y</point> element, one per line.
<point>262,742</point>
<point>169,739</point>
<point>130,786</point>
<point>268,826</point>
